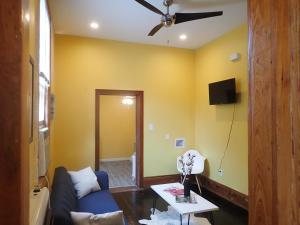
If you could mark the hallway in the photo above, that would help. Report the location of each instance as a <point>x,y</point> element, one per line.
<point>119,172</point>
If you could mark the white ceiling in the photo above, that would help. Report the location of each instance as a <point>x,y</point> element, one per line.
<point>126,20</point>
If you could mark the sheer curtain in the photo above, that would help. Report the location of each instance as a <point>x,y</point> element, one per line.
<point>44,84</point>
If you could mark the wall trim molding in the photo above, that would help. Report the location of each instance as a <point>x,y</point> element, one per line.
<point>148,181</point>
<point>221,190</point>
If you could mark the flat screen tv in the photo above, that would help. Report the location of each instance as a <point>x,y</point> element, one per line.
<point>222,92</point>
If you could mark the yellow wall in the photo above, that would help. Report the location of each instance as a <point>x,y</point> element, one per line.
<point>117,128</point>
<point>166,75</point>
<point>175,82</point>
<point>213,122</point>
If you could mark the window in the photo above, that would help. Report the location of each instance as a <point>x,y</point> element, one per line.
<point>44,63</point>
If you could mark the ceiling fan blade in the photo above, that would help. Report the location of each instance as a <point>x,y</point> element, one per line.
<point>185,17</point>
<point>155,29</point>
<point>150,7</point>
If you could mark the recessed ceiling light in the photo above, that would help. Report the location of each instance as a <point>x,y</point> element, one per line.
<point>183,37</point>
<point>94,25</point>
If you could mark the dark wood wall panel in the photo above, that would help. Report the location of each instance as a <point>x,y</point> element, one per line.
<point>260,136</point>
<point>148,181</point>
<point>221,190</point>
<point>294,34</point>
<point>14,193</point>
<point>225,192</point>
<point>274,125</point>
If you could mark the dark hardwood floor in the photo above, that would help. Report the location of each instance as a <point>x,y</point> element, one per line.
<point>137,204</point>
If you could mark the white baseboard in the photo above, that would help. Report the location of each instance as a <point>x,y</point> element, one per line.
<point>115,159</point>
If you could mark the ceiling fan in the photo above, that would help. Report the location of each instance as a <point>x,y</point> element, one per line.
<point>167,19</point>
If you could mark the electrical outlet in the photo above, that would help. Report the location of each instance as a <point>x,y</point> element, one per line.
<point>220,172</point>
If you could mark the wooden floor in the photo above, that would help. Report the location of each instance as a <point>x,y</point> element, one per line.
<point>136,205</point>
<point>119,173</point>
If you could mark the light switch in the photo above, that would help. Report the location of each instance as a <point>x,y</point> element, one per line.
<point>167,136</point>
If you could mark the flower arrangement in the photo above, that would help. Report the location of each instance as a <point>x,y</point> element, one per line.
<point>186,165</point>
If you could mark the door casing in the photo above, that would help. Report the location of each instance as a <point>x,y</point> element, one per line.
<point>139,95</point>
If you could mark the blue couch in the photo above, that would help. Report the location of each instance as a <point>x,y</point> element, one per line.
<point>64,200</point>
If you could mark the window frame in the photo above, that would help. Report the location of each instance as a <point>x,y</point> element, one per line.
<point>44,124</point>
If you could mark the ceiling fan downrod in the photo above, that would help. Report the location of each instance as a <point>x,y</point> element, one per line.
<point>167,19</point>
<point>168,3</point>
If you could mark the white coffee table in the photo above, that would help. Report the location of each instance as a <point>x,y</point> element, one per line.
<point>201,206</point>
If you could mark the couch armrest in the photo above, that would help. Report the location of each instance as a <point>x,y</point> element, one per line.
<point>102,178</point>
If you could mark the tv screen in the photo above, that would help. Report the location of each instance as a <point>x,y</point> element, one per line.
<point>222,92</point>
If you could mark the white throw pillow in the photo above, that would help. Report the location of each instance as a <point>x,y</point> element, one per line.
<point>84,181</point>
<point>112,218</point>
<point>79,218</point>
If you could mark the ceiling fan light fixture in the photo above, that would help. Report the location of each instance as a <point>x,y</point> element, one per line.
<point>94,25</point>
<point>167,20</point>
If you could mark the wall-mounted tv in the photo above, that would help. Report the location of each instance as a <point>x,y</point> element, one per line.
<point>222,92</point>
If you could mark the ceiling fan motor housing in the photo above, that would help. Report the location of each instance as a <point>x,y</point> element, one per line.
<point>167,20</point>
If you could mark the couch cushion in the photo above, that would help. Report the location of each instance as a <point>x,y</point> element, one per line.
<point>111,218</point>
<point>98,203</point>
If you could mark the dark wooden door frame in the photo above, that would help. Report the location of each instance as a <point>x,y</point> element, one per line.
<point>14,144</point>
<point>139,95</point>
<point>274,77</point>
<point>274,112</point>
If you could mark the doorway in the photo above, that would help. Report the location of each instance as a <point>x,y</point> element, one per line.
<point>119,145</point>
